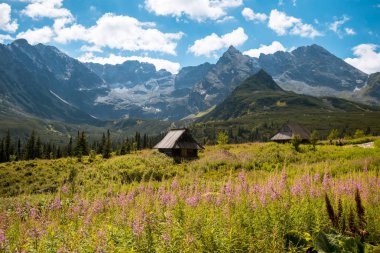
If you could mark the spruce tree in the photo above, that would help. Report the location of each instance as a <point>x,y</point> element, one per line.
<point>7,147</point>
<point>70,147</point>
<point>102,144</point>
<point>138,141</point>
<point>2,153</point>
<point>19,149</point>
<point>29,150</point>
<point>78,151</point>
<point>145,142</point>
<point>37,148</point>
<point>107,146</point>
<point>83,143</point>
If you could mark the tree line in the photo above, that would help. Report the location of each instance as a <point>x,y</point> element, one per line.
<point>15,149</point>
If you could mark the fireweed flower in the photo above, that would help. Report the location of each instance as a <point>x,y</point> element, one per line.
<point>283,179</point>
<point>365,169</point>
<point>174,184</point>
<point>263,199</point>
<point>166,237</point>
<point>296,188</point>
<point>326,181</point>
<point>35,233</point>
<point>317,177</point>
<point>3,239</point>
<point>33,214</point>
<point>137,227</point>
<point>64,189</point>
<point>56,204</point>
<point>193,201</point>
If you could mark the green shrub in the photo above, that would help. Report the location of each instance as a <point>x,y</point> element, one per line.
<point>377,143</point>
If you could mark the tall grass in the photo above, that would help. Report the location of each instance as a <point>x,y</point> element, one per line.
<point>243,198</point>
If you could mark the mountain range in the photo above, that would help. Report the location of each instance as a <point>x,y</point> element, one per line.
<point>43,82</point>
<point>260,93</point>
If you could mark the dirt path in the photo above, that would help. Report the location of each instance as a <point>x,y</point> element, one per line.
<point>366,145</point>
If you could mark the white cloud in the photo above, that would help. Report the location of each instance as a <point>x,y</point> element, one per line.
<point>86,48</point>
<point>121,32</point>
<point>172,67</point>
<point>5,37</point>
<point>211,43</point>
<point>283,24</point>
<point>198,10</point>
<point>225,19</point>
<point>46,9</point>
<point>265,49</point>
<point>367,59</point>
<point>349,31</point>
<point>6,23</point>
<point>35,36</point>
<point>249,14</point>
<point>335,26</point>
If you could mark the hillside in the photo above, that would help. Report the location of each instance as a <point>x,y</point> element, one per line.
<point>259,93</point>
<point>312,70</point>
<point>145,202</point>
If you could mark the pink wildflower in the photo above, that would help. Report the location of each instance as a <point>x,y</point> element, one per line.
<point>296,189</point>
<point>33,214</point>
<point>193,201</point>
<point>3,239</point>
<point>174,184</point>
<point>56,204</point>
<point>283,179</point>
<point>64,189</point>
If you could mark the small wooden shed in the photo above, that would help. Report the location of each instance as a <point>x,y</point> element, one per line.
<point>288,130</point>
<point>179,144</point>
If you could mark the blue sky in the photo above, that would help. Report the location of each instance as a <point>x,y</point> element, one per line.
<point>177,33</point>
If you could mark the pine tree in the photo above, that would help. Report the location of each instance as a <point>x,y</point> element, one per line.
<point>78,150</point>
<point>145,141</point>
<point>19,149</point>
<point>83,144</point>
<point>7,147</point>
<point>2,153</point>
<point>127,146</point>
<point>107,146</point>
<point>70,147</point>
<point>37,148</point>
<point>29,150</point>
<point>102,144</point>
<point>138,141</point>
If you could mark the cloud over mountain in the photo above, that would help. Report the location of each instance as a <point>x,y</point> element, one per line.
<point>283,24</point>
<point>6,22</point>
<point>367,58</point>
<point>198,10</point>
<point>208,45</point>
<point>265,49</point>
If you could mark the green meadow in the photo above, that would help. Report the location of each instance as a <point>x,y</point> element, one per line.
<point>254,197</point>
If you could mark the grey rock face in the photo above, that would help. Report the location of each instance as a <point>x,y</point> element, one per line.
<point>314,66</point>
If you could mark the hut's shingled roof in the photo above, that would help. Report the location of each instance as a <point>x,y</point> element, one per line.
<point>290,129</point>
<point>173,140</point>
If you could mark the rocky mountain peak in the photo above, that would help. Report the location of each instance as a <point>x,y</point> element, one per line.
<point>261,81</point>
<point>20,43</point>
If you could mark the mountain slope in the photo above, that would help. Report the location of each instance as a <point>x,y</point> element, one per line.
<point>373,87</point>
<point>259,93</point>
<point>230,70</point>
<point>24,89</point>
<point>138,90</point>
<point>127,74</point>
<point>312,70</point>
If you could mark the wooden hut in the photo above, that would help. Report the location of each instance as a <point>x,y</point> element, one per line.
<point>288,130</point>
<point>179,144</point>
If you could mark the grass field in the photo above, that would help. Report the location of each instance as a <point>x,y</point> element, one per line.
<point>256,197</point>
